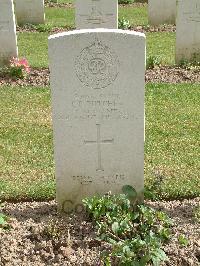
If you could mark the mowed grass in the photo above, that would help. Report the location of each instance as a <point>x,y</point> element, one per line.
<point>135,15</point>
<point>26,160</point>
<point>60,17</point>
<point>172,145</point>
<point>171,148</point>
<point>161,45</point>
<point>34,46</point>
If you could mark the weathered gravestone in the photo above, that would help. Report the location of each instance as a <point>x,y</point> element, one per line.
<point>188,31</point>
<point>91,14</point>
<point>161,12</point>
<point>97,83</point>
<point>30,11</point>
<point>8,39</point>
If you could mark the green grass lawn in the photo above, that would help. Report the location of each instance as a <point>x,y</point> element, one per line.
<point>34,46</point>
<point>162,45</point>
<point>60,17</point>
<point>26,160</point>
<point>136,16</point>
<point>171,149</point>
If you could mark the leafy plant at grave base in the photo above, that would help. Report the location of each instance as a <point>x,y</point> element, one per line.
<point>4,221</point>
<point>123,24</point>
<point>135,233</point>
<point>152,61</point>
<point>190,64</point>
<point>154,187</point>
<point>125,1</point>
<point>183,63</point>
<point>43,27</point>
<point>52,230</point>
<point>19,68</point>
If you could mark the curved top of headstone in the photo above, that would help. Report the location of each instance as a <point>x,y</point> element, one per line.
<point>99,30</point>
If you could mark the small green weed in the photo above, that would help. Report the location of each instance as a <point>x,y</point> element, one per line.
<point>125,1</point>
<point>190,64</point>
<point>4,221</point>
<point>183,241</point>
<point>43,27</point>
<point>135,233</point>
<point>52,230</point>
<point>123,24</point>
<point>196,213</point>
<point>153,61</point>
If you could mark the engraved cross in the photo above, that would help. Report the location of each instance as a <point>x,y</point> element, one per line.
<point>99,142</point>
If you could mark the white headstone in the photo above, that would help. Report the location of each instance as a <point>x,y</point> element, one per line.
<point>188,30</point>
<point>8,39</point>
<point>161,12</point>
<point>30,11</point>
<point>97,83</point>
<point>91,14</point>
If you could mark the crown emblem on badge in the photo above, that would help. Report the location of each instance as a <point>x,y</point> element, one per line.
<point>97,47</point>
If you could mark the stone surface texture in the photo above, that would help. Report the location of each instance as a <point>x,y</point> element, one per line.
<point>97,85</point>
<point>91,14</point>
<point>188,31</point>
<point>161,12</point>
<point>30,11</point>
<point>8,39</point>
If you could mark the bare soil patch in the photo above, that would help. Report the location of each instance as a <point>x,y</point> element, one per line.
<point>165,74</point>
<point>48,3</point>
<point>142,28</point>
<point>168,74</point>
<point>149,28</point>
<point>40,236</point>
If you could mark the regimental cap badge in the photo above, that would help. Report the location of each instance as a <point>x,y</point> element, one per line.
<point>97,66</point>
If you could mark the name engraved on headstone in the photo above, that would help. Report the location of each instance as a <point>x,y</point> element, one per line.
<point>99,142</point>
<point>97,66</point>
<point>104,107</point>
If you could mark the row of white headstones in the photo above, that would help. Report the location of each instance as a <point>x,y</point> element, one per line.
<point>104,14</point>
<point>97,81</point>
<point>186,15</point>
